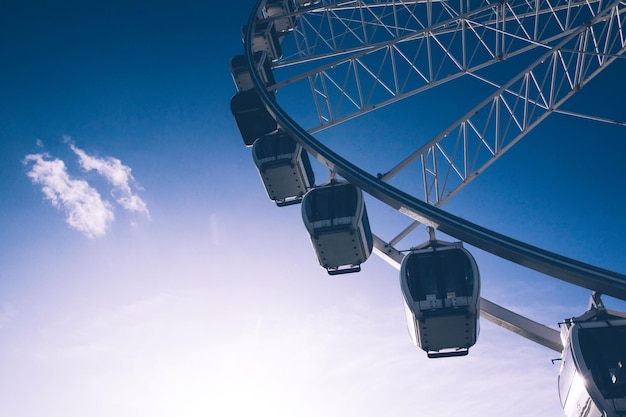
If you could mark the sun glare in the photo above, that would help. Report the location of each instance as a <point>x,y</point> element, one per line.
<point>246,383</point>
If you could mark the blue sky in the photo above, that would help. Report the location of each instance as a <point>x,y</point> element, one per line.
<point>143,271</point>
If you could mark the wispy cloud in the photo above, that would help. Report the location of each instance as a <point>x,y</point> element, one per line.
<point>86,211</point>
<point>118,175</point>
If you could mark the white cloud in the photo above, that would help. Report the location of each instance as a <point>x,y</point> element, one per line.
<point>118,175</point>
<point>85,209</point>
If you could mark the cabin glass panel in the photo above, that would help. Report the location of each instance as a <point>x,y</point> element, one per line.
<point>274,148</point>
<point>439,274</point>
<point>332,206</point>
<point>567,374</point>
<point>604,352</point>
<point>251,116</point>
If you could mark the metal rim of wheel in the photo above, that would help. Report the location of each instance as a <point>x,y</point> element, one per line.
<point>358,56</point>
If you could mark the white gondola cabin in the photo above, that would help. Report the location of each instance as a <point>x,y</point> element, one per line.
<point>440,285</point>
<point>241,75</point>
<point>592,378</point>
<point>265,39</point>
<point>336,219</point>
<point>284,167</point>
<point>251,116</point>
<point>280,11</point>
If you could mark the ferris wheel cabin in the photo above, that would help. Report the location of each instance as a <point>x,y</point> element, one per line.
<point>592,378</point>
<point>440,285</point>
<point>336,219</point>
<point>284,167</point>
<point>280,11</point>
<point>241,75</point>
<point>247,107</point>
<point>265,38</point>
<point>251,116</point>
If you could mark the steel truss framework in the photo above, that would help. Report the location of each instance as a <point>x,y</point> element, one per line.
<point>360,55</point>
<point>357,56</point>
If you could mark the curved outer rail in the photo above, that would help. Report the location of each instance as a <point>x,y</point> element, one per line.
<point>569,270</point>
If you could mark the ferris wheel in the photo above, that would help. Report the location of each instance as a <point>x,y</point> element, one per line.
<point>310,66</point>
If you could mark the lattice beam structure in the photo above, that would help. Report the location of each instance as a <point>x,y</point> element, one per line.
<point>357,56</point>
<point>360,55</point>
<point>467,147</point>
